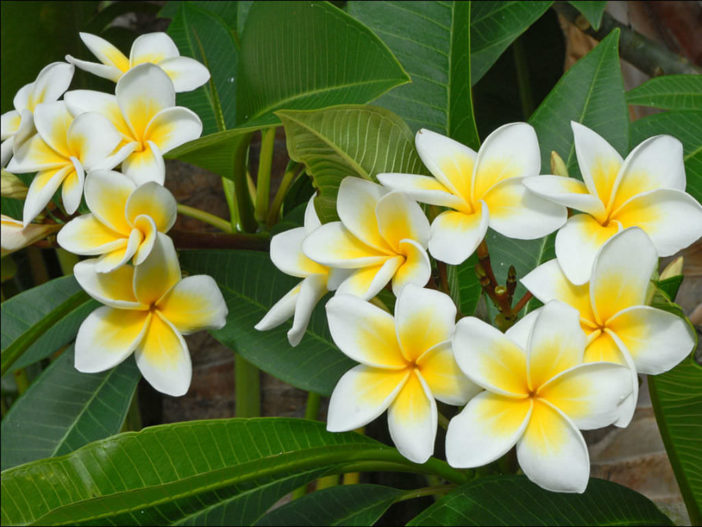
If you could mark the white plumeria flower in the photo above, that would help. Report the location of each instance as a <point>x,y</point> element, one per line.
<point>381,236</point>
<point>123,222</point>
<point>538,393</point>
<point>18,125</point>
<point>483,190</point>
<point>144,112</point>
<point>287,255</point>
<point>645,190</point>
<point>406,362</point>
<point>61,152</point>
<point>15,236</point>
<point>155,48</point>
<point>619,326</point>
<point>148,309</point>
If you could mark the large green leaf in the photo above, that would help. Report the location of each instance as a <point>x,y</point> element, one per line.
<point>349,140</point>
<point>340,505</point>
<point>224,471</point>
<point>592,11</point>
<point>677,402</point>
<point>436,54</point>
<point>65,409</point>
<point>464,285</point>
<point>686,125</point>
<point>590,93</point>
<point>39,321</point>
<point>251,285</point>
<point>514,500</point>
<point>305,55</point>
<point>670,92</point>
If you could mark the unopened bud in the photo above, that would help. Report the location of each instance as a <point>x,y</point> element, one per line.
<point>14,237</point>
<point>674,268</point>
<point>11,186</point>
<point>558,166</point>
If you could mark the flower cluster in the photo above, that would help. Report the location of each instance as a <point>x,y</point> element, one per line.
<point>571,365</point>
<point>108,149</point>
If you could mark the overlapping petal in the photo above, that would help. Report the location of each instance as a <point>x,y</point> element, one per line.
<point>152,47</point>
<point>194,303</point>
<point>145,165</point>
<point>367,282</point>
<point>449,161</point>
<point>114,289</point>
<point>424,189</point>
<point>599,162</point>
<point>158,273</point>
<point>416,269</point>
<point>565,191</point>
<point>187,74</point>
<point>154,201</point>
<point>89,236</point>
<point>173,127</point>
<point>312,289</point>
<point>334,245</point>
<point>42,188</point>
<point>444,378</point>
<point>287,255</point>
<point>399,218</point>
<point>455,235</point>
<point>356,205</point>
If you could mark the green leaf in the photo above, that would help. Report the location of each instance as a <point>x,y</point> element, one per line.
<point>686,125</point>
<point>204,31</point>
<point>670,286</point>
<point>670,92</point>
<point>514,500</point>
<point>592,11</point>
<point>436,54</point>
<point>677,402</point>
<point>464,285</point>
<point>65,409</point>
<point>223,471</point>
<point>350,140</point>
<point>306,55</point>
<point>251,285</point>
<point>39,321</point>
<point>340,505</point>
<point>590,93</point>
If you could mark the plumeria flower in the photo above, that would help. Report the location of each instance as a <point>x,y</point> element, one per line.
<point>382,236</point>
<point>15,236</point>
<point>148,309</point>
<point>647,190</point>
<point>482,190</point>
<point>619,327</point>
<point>538,393</point>
<point>406,362</point>
<point>124,220</point>
<point>61,152</point>
<point>18,124</point>
<point>287,255</point>
<point>156,48</point>
<point>144,112</point>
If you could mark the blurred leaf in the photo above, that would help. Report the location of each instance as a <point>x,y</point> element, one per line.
<point>514,500</point>
<point>464,285</point>
<point>677,401</point>
<point>349,140</point>
<point>670,92</point>
<point>9,268</point>
<point>305,55</point>
<point>591,93</point>
<point>65,409</point>
<point>592,11</point>
<point>340,505</point>
<point>251,285</point>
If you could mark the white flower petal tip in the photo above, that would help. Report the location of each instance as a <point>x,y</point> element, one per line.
<point>15,236</point>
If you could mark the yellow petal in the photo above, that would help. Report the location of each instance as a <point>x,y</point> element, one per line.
<point>443,376</point>
<point>603,348</point>
<point>194,303</point>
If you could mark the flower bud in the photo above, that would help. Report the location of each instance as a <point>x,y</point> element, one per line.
<point>12,186</point>
<point>14,237</point>
<point>558,166</point>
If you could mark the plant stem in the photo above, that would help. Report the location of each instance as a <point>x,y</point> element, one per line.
<point>427,491</point>
<point>229,195</point>
<point>522,302</point>
<point>291,172</point>
<point>443,421</point>
<point>247,222</point>
<point>328,481</point>
<point>247,388</point>
<point>263,180</point>
<point>205,217</point>
<point>312,408</point>
<point>21,380</point>
<point>522,67</point>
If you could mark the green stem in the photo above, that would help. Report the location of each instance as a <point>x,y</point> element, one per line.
<point>291,172</point>
<point>427,491</point>
<point>263,180</point>
<point>247,388</point>
<point>228,187</point>
<point>206,217</point>
<point>522,67</point>
<point>312,408</point>
<point>247,222</point>
<point>22,381</point>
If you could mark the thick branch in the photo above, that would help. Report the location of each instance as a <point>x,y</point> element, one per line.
<point>650,57</point>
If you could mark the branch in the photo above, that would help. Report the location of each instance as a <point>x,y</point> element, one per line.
<point>648,56</point>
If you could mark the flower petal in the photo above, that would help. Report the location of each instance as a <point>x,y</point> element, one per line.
<point>672,218</point>
<point>156,202</point>
<point>52,121</point>
<point>333,245</point>
<point>173,127</point>
<point>21,98</point>
<point>356,204</point>
<point>82,101</point>
<point>88,236</point>
<point>92,138</point>
<point>145,165</point>
<point>312,289</point>
<point>287,255</point>
<point>511,151</point>
<point>186,74</point>
<point>361,395</point>
<point>311,221</point>
<point>413,419</point>
<point>445,379</point>
<point>51,82</point>
<point>108,262</point>
<point>158,273</point>
<point>565,191</point>
<point>141,93</point>
<point>9,124</point>
<point>193,304</point>
<point>656,340</point>
<point>107,337</point>
<point>25,132</point>
<point>599,162</point>
<point>163,358</point>
<point>449,161</point>
<point>577,243</point>
<point>364,332</point>
<point>282,310</point>
<point>416,268</point>
<point>516,212</point>
<point>6,151</point>
<point>367,282</point>
<point>42,188</point>
<point>105,52</point>
<point>72,189</point>
<point>106,194</point>
<point>35,155</point>
<point>400,218</point>
<point>489,358</point>
<point>486,429</point>
<point>114,289</point>
<point>621,273</point>
<point>552,452</point>
<point>100,70</point>
<point>424,189</point>
<point>456,235</point>
<point>521,331</point>
<point>145,229</point>
<point>153,48</point>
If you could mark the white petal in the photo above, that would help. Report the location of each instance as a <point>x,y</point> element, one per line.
<point>72,189</point>
<point>6,152</point>
<point>82,101</point>
<point>193,304</point>
<point>115,259</point>
<point>152,47</point>
<point>599,162</point>
<point>9,124</point>
<point>109,72</point>
<point>156,202</point>
<point>89,236</point>
<point>51,82</point>
<point>400,218</point>
<point>521,331</point>
<point>282,310</point>
<point>106,194</point>
<point>444,378</point>
<point>424,189</point>
<point>105,52</point>
<point>356,204</point>
<point>114,289</point>
<point>566,191</point>
<point>52,121</point>
<point>35,156</point>
<point>42,188</point>
<point>367,282</point>
<point>287,255</point>
<point>158,273</point>
<point>25,131</point>
<point>333,245</point>
<point>455,235</point>
<point>92,138</point>
<point>142,93</point>
<point>416,268</point>
<point>21,99</point>
<point>187,74</point>
<point>173,127</point>
<point>146,165</point>
<point>449,161</point>
<point>311,221</point>
<point>312,289</point>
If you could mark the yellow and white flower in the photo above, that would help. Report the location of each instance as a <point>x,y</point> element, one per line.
<point>124,220</point>
<point>406,362</point>
<point>144,112</point>
<point>15,236</point>
<point>619,326</point>
<point>538,393</point>
<point>18,125</point>
<point>382,236</point>
<point>482,190</point>
<point>646,190</point>
<point>61,151</point>
<point>148,309</point>
<point>287,255</point>
<point>155,48</point>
